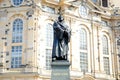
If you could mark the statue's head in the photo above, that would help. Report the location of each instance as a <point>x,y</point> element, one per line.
<point>60,18</point>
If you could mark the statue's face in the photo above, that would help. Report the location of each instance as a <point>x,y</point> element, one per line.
<point>60,18</point>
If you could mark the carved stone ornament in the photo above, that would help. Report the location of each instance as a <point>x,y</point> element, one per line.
<point>30,13</point>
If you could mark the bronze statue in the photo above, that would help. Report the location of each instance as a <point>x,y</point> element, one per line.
<point>62,34</point>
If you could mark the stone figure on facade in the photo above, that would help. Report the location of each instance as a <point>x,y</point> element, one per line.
<point>62,34</point>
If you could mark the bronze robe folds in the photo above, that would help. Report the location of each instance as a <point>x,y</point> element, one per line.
<point>62,35</point>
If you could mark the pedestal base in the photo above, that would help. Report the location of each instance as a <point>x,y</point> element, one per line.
<point>60,70</point>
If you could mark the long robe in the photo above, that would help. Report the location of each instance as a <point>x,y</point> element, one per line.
<point>62,35</point>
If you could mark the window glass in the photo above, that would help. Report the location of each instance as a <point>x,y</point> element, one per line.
<point>106,54</point>
<point>17,31</point>
<point>49,44</point>
<point>48,58</point>
<point>83,50</point>
<point>105,45</point>
<point>94,1</point>
<point>16,56</point>
<point>106,65</point>
<point>104,3</point>
<point>83,11</point>
<point>84,62</point>
<point>49,35</point>
<point>83,39</point>
<point>17,2</point>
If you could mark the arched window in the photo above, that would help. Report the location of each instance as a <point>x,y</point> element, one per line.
<point>17,33</point>
<point>83,39</point>
<point>83,50</point>
<point>49,35</point>
<point>49,43</point>
<point>106,57</point>
<point>105,45</point>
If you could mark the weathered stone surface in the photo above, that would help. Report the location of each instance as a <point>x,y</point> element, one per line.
<point>60,70</point>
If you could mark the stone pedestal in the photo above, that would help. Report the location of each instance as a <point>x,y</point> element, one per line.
<point>60,70</point>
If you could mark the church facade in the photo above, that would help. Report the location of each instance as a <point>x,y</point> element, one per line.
<point>26,34</point>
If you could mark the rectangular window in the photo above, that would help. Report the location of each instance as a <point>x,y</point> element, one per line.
<point>84,62</point>
<point>16,56</point>
<point>104,3</point>
<point>106,65</point>
<point>48,58</point>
